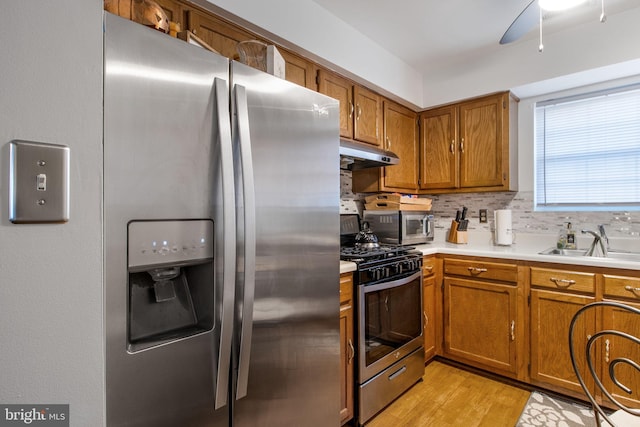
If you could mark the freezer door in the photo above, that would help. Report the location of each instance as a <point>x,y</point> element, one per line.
<point>167,157</point>
<point>288,369</point>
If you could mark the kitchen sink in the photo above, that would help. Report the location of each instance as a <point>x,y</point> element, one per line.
<point>564,252</point>
<point>613,254</point>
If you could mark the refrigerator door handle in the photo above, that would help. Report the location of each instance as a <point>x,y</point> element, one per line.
<point>249,200</point>
<point>229,242</point>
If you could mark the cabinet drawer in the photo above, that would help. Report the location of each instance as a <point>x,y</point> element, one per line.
<point>622,287</point>
<point>563,280</point>
<point>428,266</point>
<point>481,270</point>
<point>346,287</point>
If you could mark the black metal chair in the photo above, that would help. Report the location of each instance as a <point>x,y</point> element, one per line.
<point>625,416</point>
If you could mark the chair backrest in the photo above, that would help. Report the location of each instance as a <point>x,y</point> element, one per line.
<point>600,357</point>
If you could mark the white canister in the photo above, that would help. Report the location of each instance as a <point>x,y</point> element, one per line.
<point>503,228</point>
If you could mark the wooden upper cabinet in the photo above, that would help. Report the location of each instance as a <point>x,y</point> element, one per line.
<point>360,108</point>
<point>401,137</point>
<point>467,146</point>
<point>341,89</point>
<point>299,71</point>
<point>482,146</point>
<point>368,116</point>
<point>439,156</point>
<point>217,33</point>
<point>174,11</point>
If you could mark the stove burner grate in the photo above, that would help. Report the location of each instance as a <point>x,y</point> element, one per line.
<point>367,254</point>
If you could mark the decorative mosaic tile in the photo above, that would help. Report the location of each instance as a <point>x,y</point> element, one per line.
<point>525,219</point>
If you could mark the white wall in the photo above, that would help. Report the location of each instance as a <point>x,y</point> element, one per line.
<point>332,42</point>
<point>589,46</point>
<point>51,335</point>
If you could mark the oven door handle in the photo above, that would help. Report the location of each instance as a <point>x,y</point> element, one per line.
<point>392,284</point>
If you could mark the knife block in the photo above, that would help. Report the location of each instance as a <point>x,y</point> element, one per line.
<point>455,236</point>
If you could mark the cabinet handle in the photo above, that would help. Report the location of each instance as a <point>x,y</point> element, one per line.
<point>452,147</point>
<point>359,112</point>
<point>562,283</point>
<point>632,289</point>
<point>388,143</point>
<point>426,318</point>
<point>607,348</point>
<point>353,351</point>
<point>476,270</point>
<point>428,268</point>
<point>350,109</point>
<point>513,330</point>
<point>462,145</point>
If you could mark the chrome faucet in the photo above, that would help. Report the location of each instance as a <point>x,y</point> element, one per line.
<point>599,240</point>
<point>603,236</point>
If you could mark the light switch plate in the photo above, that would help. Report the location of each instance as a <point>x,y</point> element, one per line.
<point>38,182</point>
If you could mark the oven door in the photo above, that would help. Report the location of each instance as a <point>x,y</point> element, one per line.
<point>389,323</point>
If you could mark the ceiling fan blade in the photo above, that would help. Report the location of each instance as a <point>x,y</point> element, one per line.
<point>524,23</point>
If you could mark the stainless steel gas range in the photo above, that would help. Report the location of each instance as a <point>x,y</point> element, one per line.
<point>388,289</point>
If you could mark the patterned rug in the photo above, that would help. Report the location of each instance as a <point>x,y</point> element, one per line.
<point>544,411</point>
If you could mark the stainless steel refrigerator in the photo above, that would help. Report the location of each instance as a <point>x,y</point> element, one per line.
<point>221,240</point>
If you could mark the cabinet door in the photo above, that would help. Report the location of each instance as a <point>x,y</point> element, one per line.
<point>617,347</point>
<point>299,71</point>
<point>173,9</point>
<point>218,34</point>
<point>439,153</point>
<point>480,324</point>
<point>342,90</point>
<point>368,116</point>
<point>551,314</point>
<point>401,137</point>
<point>430,318</point>
<point>347,350</point>
<point>481,142</point>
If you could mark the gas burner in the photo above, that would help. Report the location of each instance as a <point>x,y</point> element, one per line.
<point>368,254</point>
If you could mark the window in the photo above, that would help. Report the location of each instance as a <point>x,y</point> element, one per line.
<point>588,151</point>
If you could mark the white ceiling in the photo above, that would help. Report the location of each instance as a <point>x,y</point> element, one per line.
<point>429,34</point>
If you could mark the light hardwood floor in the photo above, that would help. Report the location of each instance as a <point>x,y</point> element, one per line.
<point>451,397</point>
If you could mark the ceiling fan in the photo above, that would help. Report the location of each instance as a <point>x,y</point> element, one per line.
<point>533,14</point>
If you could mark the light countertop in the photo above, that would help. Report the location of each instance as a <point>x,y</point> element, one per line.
<point>526,248</point>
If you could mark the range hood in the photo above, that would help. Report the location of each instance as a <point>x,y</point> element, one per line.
<point>355,156</point>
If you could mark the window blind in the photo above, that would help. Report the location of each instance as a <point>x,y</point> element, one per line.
<point>587,151</point>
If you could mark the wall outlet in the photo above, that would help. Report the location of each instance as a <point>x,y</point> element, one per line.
<point>483,215</point>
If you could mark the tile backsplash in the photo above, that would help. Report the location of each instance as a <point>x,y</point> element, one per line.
<point>525,220</point>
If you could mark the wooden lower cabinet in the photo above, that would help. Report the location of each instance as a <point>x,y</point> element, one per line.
<point>347,349</point>
<point>481,322</point>
<point>625,290</point>
<point>551,314</point>
<point>432,307</point>
<point>556,295</point>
